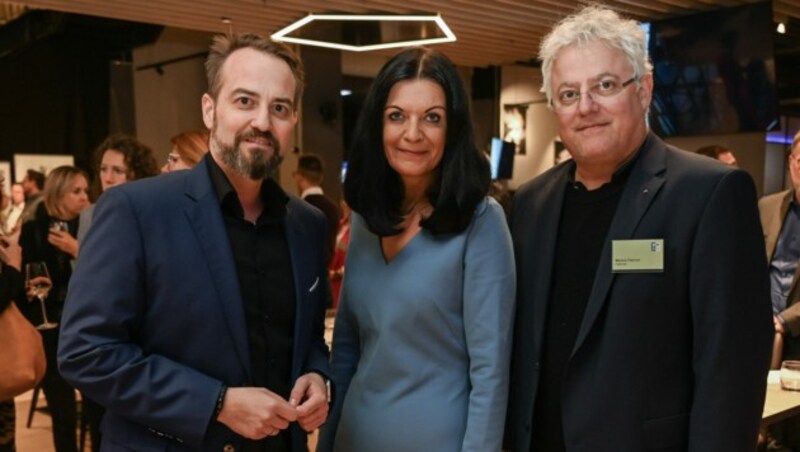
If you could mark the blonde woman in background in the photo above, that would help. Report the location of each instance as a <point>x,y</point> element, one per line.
<point>187,149</point>
<point>65,195</point>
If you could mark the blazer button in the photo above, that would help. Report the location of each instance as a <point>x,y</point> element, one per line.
<point>228,448</point>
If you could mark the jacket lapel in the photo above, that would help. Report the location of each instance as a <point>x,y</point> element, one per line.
<point>543,252</point>
<point>774,223</point>
<point>205,217</point>
<point>299,241</point>
<point>644,183</point>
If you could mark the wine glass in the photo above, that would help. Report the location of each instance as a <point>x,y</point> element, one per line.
<point>59,225</point>
<point>38,280</point>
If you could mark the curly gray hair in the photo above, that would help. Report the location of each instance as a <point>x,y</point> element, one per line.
<point>595,23</point>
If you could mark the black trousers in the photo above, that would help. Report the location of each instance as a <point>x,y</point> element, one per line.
<point>60,398</point>
<point>94,413</point>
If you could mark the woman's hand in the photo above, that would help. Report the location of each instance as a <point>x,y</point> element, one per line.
<point>34,281</point>
<point>11,253</point>
<point>64,241</point>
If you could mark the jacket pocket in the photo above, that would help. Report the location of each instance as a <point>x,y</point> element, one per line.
<point>666,433</point>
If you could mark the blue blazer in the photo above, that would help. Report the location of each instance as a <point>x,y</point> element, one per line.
<point>669,361</point>
<point>154,322</point>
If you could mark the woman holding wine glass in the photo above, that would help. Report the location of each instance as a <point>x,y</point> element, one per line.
<point>48,240</point>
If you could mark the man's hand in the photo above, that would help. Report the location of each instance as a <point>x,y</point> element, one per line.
<point>310,396</point>
<point>256,413</point>
<point>778,324</point>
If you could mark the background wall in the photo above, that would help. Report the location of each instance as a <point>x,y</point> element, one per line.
<point>320,127</point>
<point>520,85</point>
<point>168,100</point>
<point>56,83</point>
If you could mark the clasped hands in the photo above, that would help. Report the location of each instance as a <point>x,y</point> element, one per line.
<point>256,413</point>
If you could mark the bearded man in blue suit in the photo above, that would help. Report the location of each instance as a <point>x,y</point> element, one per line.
<point>195,313</point>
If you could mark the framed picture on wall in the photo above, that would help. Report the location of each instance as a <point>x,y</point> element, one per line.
<point>44,163</point>
<point>561,154</point>
<point>514,118</point>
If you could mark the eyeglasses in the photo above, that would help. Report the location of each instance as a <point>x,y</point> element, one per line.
<point>603,89</point>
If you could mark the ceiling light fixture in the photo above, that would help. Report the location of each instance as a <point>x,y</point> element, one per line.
<point>361,33</point>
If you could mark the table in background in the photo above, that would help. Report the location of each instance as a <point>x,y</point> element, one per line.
<point>780,404</point>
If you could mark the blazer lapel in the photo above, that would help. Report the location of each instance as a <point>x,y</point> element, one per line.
<point>299,242</point>
<point>644,183</point>
<point>546,225</point>
<point>774,223</point>
<point>205,216</point>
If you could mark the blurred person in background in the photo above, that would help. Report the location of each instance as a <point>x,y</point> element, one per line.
<point>336,267</point>
<point>720,153</point>
<point>308,176</point>
<point>50,238</point>
<point>13,215</point>
<point>32,186</point>
<point>187,149</point>
<point>117,160</point>
<point>780,219</point>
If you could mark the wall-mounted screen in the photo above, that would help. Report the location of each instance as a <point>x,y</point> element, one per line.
<point>502,159</point>
<point>714,72</point>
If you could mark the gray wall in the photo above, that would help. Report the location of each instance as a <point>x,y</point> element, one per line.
<point>168,103</point>
<point>321,127</point>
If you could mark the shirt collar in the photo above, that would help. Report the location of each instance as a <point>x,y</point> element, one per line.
<point>316,190</point>
<point>272,195</point>
<point>620,175</point>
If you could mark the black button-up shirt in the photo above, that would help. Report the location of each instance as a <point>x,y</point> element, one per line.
<point>266,281</point>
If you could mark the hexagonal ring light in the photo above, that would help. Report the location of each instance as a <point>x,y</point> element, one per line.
<point>360,33</point>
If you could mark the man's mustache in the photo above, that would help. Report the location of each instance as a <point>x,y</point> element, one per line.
<point>250,134</point>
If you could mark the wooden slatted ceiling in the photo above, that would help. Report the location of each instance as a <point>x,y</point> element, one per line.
<point>490,32</point>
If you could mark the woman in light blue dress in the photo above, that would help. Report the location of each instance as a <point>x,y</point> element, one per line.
<point>423,334</point>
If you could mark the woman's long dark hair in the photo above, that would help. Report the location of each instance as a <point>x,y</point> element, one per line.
<point>375,190</point>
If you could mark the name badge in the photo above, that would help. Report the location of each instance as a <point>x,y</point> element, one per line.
<point>637,256</point>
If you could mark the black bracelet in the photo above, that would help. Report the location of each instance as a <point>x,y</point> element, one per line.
<point>220,401</point>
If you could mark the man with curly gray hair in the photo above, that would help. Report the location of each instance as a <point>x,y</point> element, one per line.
<point>643,322</point>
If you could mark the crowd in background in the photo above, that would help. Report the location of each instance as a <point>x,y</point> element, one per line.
<point>48,215</point>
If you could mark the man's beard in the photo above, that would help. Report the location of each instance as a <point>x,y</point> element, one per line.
<point>258,166</point>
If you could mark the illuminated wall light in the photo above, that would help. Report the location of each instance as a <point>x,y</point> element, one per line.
<point>281,35</point>
<point>781,28</point>
<point>345,92</point>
